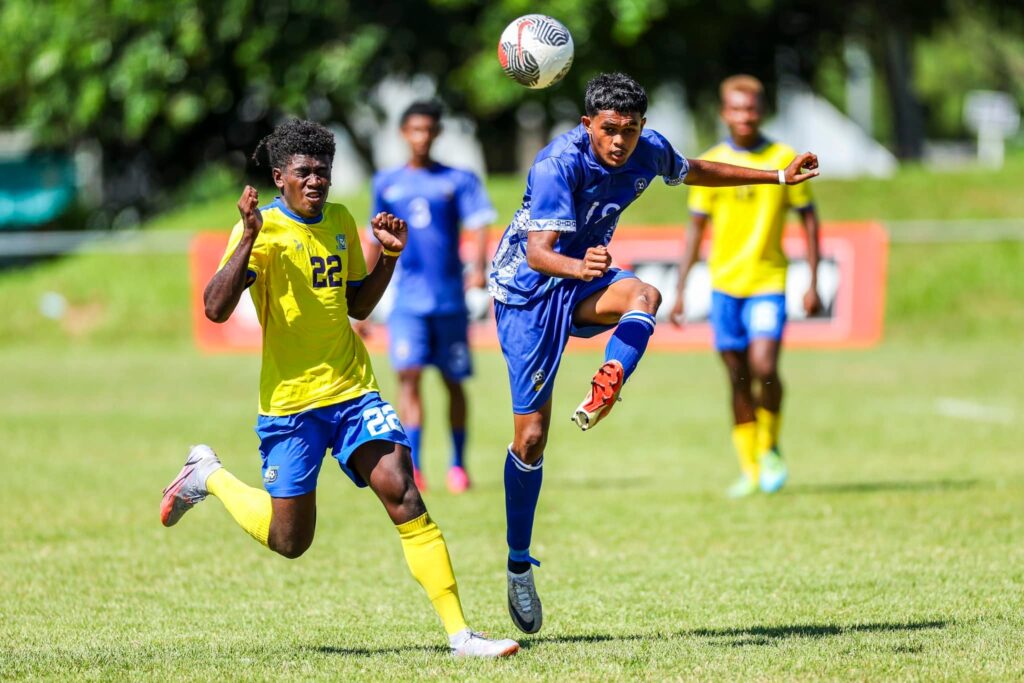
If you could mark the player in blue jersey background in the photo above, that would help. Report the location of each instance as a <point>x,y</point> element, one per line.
<point>429,322</point>
<point>552,278</point>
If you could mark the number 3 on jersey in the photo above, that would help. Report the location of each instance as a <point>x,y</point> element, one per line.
<point>380,420</point>
<point>326,273</point>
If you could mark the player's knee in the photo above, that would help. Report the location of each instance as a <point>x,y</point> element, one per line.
<point>648,298</point>
<point>530,443</point>
<point>292,546</point>
<point>409,380</point>
<point>764,370</point>
<point>740,380</point>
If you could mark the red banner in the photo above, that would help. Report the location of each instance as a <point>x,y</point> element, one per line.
<point>851,282</point>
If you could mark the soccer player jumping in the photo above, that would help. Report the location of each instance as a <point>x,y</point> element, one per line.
<point>552,278</point>
<point>429,323</point>
<point>748,280</point>
<point>301,258</point>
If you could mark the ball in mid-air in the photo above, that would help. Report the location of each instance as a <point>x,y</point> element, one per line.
<point>535,51</point>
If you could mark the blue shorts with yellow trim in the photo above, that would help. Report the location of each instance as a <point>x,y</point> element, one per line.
<point>738,320</point>
<point>293,447</point>
<point>534,336</point>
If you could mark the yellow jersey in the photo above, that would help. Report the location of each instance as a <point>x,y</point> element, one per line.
<point>747,222</point>
<point>299,272</point>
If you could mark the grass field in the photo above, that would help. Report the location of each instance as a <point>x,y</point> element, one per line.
<point>895,552</point>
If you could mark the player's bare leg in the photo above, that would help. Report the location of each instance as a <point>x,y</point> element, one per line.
<point>410,412</point>
<point>763,356</point>
<point>524,475</point>
<point>632,304</point>
<point>744,432</point>
<point>387,469</point>
<point>292,525</point>
<point>458,478</point>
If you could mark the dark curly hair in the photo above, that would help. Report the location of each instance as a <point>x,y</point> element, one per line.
<point>294,136</point>
<point>615,92</point>
<point>431,108</point>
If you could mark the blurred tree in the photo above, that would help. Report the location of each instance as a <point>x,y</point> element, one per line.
<point>165,87</point>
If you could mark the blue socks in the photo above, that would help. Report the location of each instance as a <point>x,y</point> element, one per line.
<point>414,440</point>
<point>629,341</point>
<point>522,489</point>
<point>458,447</point>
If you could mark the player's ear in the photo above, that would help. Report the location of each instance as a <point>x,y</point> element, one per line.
<point>278,178</point>
<point>585,120</point>
<point>643,122</point>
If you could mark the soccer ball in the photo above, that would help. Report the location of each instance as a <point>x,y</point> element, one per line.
<point>535,51</point>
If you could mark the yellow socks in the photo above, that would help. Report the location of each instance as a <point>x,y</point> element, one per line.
<point>427,557</point>
<point>251,507</point>
<point>767,430</point>
<point>744,438</point>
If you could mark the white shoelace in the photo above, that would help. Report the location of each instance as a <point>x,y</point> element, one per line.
<point>522,589</point>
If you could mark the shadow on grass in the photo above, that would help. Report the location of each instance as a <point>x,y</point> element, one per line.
<point>877,486</point>
<point>752,635</point>
<point>374,651</point>
<point>601,483</point>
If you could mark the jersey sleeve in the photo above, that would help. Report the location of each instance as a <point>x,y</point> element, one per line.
<point>551,203</point>
<point>672,166</point>
<point>475,208</point>
<point>257,257</point>
<point>356,261</point>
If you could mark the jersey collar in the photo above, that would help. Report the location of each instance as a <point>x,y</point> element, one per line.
<point>761,143</point>
<point>279,204</point>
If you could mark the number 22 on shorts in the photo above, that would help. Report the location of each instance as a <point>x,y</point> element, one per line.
<point>381,419</point>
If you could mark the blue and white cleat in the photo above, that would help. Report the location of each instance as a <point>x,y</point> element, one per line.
<point>468,643</point>
<point>774,472</point>
<point>189,486</point>
<point>523,604</point>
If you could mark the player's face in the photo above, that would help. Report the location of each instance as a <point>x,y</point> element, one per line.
<point>304,183</point>
<point>419,132</point>
<point>741,112</point>
<point>614,135</point>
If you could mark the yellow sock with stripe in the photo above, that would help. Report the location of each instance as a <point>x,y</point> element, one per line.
<point>427,556</point>
<point>744,438</point>
<point>768,424</point>
<point>251,507</point>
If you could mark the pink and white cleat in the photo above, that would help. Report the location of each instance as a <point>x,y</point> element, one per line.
<point>458,480</point>
<point>189,486</point>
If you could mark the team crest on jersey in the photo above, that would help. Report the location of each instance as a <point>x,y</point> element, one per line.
<point>270,476</point>
<point>640,185</point>
<point>342,242</point>
<point>538,380</point>
<point>298,245</point>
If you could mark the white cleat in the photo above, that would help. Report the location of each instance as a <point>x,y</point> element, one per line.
<point>468,643</point>
<point>189,486</point>
<point>523,604</point>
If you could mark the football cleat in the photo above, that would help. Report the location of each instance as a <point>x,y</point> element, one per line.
<point>189,486</point>
<point>743,487</point>
<point>604,392</point>
<point>468,643</point>
<point>523,604</point>
<point>773,471</point>
<point>458,480</point>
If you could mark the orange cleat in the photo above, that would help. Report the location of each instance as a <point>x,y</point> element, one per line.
<point>604,392</point>
<point>419,479</point>
<point>458,480</point>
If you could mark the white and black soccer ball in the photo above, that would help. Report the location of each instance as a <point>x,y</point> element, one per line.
<point>536,51</point>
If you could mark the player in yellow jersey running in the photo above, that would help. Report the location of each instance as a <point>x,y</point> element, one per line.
<point>301,258</point>
<point>748,280</point>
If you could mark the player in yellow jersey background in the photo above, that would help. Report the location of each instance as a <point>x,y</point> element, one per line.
<point>748,279</point>
<point>301,259</point>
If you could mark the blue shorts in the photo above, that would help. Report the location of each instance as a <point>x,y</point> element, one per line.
<point>293,446</point>
<point>737,320</point>
<point>534,336</point>
<point>439,340</point>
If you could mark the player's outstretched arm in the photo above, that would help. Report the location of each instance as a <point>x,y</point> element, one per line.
<point>542,257</point>
<point>392,233</point>
<point>227,284</point>
<point>715,174</point>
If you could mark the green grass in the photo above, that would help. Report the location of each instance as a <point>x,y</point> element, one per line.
<point>894,553</point>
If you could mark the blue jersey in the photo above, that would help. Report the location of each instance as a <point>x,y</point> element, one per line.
<point>569,191</point>
<point>436,202</point>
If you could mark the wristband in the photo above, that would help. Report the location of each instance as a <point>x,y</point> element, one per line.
<point>782,176</point>
<point>392,254</point>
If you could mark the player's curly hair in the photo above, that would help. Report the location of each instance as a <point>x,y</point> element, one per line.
<point>431,108</point>
<point>615,92</point>
<point>294,136</point>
